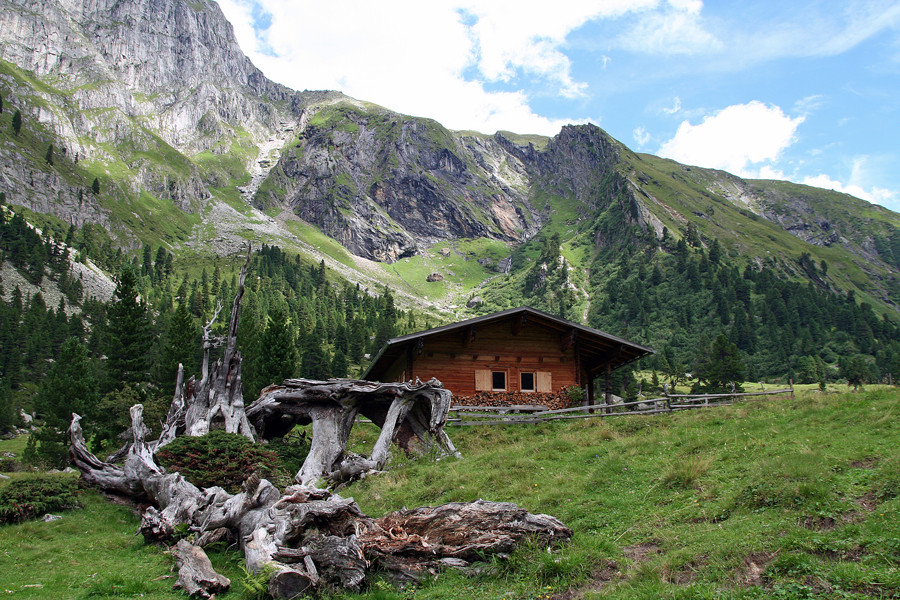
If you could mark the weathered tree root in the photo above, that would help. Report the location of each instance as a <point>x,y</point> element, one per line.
<point>310,537</point>
<point>413,414</point>
<point>196,575</point>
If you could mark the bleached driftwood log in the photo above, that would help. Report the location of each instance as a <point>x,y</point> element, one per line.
<point>310,537</point>
<point>412,414</point>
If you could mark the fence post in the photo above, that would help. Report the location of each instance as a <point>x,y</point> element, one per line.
<point>792,388</point>
<point>668,400</point>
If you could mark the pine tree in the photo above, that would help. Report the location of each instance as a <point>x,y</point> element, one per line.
<point>315,363</point>
<point>95,186</point>
<point>721,365</point>
<point>855,370</point>
<point>147,263</point>
<point>17,122</point>
<point>49,156</point>
<point>339,366</point>
<point>128,334</point>
<point>278,354</point>
<point>182,343</point>
<point>7,415</point>
<point>69,386</point>
<point>159,264</point>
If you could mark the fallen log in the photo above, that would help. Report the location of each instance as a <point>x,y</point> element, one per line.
<point>306,537</point>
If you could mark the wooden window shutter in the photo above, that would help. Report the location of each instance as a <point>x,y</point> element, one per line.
<point>543,381</point>
<point>482,380</point>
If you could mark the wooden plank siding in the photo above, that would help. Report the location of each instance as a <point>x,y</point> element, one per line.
<point>514,348</point>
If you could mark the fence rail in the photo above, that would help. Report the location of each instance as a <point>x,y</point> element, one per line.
<point>525,414</point>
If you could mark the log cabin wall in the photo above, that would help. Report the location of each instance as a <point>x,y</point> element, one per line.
<point>460,358</point>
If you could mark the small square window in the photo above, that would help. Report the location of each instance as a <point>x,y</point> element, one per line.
<point>498,381</point>
<point>527,382</point>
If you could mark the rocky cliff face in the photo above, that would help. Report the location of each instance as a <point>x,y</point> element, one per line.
<point>155,98</point>
<point>385,184</point>
<point>147,84</point>
<point>171,66</point>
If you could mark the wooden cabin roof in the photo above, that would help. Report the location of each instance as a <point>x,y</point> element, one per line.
<point>596,348</point>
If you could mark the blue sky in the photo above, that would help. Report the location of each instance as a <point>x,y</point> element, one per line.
<point>804,90</point>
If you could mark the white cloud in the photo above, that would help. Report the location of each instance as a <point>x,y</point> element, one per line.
<point>808,105</point>
<point>864,169</point>
<point>734,138</point>
<point>641,136</point>
<point>434,59</point>
<point>875,194</point>
<point>677,28</point>
<point>808,30</point>
<point>676,107</point>
<point>529,35</point>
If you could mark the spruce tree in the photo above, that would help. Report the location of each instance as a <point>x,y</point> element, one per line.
<point>182,343</point>
<point>339,366</point>
<point>17,122</point>
<point>277,350</point>
<point>128,334</point>
<point>721,366</point>
<point>7,415</point>
<point>69,386</point>
<point>315,363</point>
<point>49,156</point>
<point>95,186</point>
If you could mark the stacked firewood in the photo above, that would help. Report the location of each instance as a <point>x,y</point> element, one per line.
<point>552,400</point>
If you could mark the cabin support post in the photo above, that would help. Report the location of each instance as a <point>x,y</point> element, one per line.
<point>590,391</point>
<point>608,386</point>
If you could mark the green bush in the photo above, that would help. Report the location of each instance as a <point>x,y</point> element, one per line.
<point>291,450</point>
<point>10,465</point>
<point>222,459</point>
<point>29,498</point>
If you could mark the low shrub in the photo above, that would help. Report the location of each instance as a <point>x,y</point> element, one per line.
<point>291,450</point>
<point>222,459</point>
<point>10,465</point>
<point>28,498</point>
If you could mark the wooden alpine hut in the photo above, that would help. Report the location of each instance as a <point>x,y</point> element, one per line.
<point>516,352</point>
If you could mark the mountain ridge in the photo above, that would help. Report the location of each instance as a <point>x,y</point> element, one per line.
<point>156,101</point>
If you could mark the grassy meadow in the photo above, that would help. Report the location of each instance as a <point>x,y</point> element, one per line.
<point>769,498</point>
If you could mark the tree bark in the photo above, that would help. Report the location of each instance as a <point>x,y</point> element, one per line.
<point>196,575</point>
<point>217,400</point>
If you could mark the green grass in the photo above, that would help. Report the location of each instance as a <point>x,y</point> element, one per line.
<point>91,552</point>
<point>768,498</point>
<point>780,482</point>
<point>15,445</point>
<point>313,236</point>
<point>461,270</point>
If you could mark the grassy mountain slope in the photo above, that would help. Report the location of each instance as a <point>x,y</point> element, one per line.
<point>775,498</point>
<point>573,224</point>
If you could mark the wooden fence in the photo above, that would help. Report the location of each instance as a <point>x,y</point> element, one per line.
<point>522,414</point>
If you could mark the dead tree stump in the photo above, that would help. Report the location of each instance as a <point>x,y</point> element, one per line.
<point>413,414</point>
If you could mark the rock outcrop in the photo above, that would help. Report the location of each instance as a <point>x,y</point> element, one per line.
<point>138,86</point>
<point>384,184</point>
